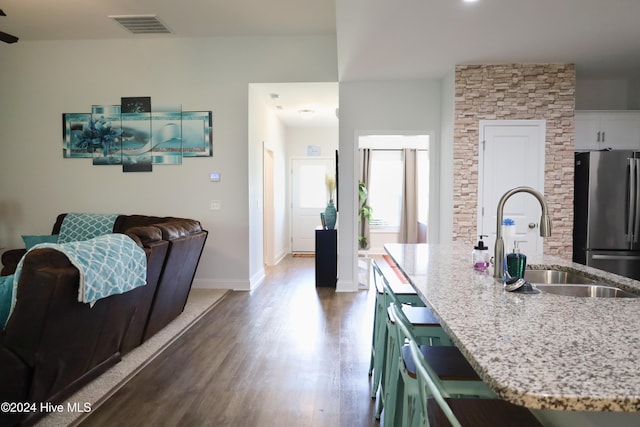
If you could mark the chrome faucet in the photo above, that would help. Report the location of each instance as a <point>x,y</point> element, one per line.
<point>545,226</point>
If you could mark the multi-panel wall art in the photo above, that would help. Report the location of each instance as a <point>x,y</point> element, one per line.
<point>136,136</point>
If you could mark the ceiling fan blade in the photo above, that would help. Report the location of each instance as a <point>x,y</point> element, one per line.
<point>8,38</point>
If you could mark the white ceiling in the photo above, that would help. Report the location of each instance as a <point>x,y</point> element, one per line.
<point>88,19</point>
<point>376,39</point>
<point>380,39</point>
<point>287,99</point>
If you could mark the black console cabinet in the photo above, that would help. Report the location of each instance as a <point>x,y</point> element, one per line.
<point>326,258</point>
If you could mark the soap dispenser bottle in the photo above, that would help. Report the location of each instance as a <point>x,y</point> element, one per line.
<point>480,255</point>
<point>516,262</point>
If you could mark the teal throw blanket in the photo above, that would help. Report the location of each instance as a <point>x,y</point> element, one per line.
<point>85,226</point>
<point>6,292</point>
<point>110,264</point>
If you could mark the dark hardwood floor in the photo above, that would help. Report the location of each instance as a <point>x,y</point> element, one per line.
<point>286,354</point>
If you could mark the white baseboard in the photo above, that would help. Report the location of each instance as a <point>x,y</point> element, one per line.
<point>346,286</point>
<point>257,279</point>
<point>236,285</point>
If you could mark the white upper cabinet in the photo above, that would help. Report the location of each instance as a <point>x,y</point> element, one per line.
<point>599,130</point>
<point>586,128</point>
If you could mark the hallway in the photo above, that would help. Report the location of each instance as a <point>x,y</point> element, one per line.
<point>286,354</point>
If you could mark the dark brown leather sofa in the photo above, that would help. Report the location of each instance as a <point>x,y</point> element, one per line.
<point>52,345</point>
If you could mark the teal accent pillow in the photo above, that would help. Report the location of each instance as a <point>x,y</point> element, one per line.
<point>31,241</point>
<point>6,289</point>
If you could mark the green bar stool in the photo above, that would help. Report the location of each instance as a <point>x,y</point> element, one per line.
<point>426,329</point>
<point>405,293</point>
<point>436,406</point>
<point>447,364</point>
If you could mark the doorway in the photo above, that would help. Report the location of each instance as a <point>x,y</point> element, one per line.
<point>308,199</point>
<point>276,119</point>
<point>511,154</point>
<point>399,186</point>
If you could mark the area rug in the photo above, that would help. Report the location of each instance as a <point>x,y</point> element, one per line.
<point>95,393</point>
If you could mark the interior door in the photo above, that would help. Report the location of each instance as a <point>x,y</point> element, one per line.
<point>511,155</point>
<point>308,199</point>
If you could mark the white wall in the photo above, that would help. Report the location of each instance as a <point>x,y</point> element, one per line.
<point>265,130</point>
<point>298,138</point>
<point>608,94</point>
<point>444,197</point>
<point>43,80</point>
<point>379,106</point>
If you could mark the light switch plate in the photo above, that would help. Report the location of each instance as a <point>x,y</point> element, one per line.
<point>215,205</point>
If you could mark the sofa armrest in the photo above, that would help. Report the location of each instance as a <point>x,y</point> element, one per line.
<point>10,260</point>
<point>62,340</point>
<point>45,272</point>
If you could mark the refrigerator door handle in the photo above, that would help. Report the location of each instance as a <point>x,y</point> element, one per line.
<point>632,199</point>
<point>617,257</point>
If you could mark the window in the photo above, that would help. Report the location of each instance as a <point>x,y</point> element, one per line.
<point>314,193</point>
<point>385,188</point>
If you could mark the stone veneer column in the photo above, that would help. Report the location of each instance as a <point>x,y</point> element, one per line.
<point>516,92</point>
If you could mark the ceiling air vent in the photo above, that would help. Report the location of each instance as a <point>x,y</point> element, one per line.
<point>141,24</point>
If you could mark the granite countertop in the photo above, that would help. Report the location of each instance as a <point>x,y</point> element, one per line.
<point>542,351</point>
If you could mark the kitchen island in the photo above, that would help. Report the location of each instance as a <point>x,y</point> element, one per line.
<point>572,360</point>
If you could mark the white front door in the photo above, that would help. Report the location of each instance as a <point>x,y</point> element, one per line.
<point>308,199</point>
<point>511,154</point>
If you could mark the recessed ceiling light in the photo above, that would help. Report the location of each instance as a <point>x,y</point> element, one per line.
<point>470,1</point>
<point>306,113</point>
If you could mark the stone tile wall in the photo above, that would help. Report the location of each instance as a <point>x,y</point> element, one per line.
<point>516,92</point>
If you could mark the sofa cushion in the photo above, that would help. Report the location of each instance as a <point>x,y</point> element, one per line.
<point>31,241</point>
<point>178,228</point>
<point>144,235</point>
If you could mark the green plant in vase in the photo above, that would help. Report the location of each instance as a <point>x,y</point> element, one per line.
<point>365,213</point>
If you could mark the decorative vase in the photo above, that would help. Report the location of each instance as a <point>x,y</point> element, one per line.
<point>330,215</point>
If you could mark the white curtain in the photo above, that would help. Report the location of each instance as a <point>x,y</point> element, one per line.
<point>409,215</point>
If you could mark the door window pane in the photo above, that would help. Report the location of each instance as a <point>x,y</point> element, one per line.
<point>313,194</point>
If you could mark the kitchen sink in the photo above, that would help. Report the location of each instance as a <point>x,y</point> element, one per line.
<point>581,290</point>
<point>555,277</point>
<point>572,283</point>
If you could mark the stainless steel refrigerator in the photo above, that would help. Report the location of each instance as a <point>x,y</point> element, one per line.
<point>606,227</point>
